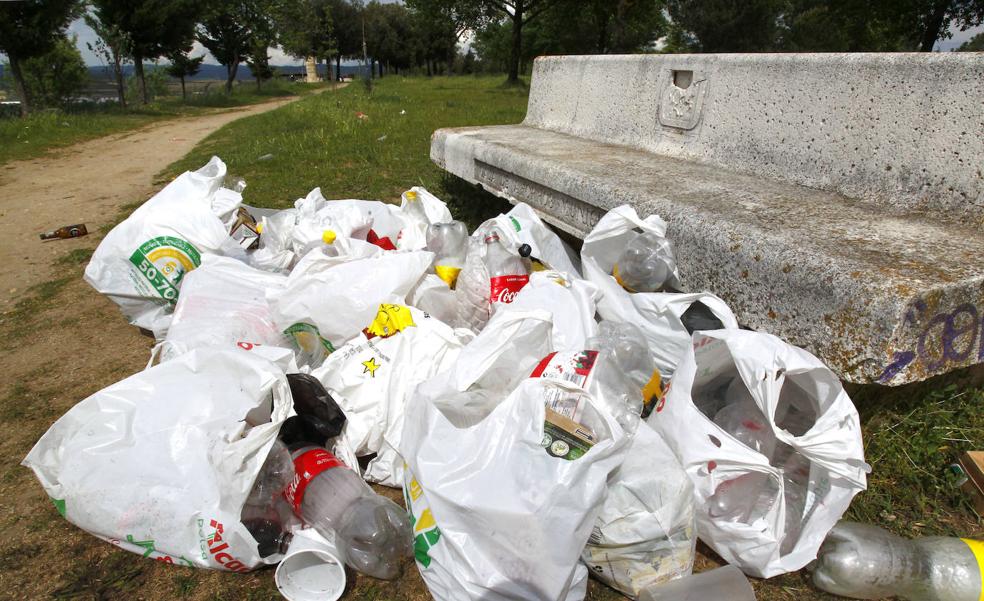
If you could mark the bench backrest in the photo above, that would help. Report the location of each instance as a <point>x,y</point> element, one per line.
<point>902,130</point>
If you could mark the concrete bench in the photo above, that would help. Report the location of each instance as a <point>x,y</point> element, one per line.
<point>835,200</point>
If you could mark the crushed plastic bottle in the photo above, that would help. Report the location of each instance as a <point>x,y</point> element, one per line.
<point>647,264</point>
<point>264,512</point>
<point>371,532</point>
<point>508,273</point>
<point>449,243</point>
<point>744,420</point>
<point>744,499</point>
<point>862,561</point>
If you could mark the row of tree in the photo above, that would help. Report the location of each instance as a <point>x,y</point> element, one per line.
<point>426,34</point>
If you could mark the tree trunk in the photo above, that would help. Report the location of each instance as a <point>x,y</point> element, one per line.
<point>120,81</point>
<point>19,87</point>
<point>138,66</point>
<point>517,44</point>
<point>935,26</point>
<point>452,51</point>
<point>380,69</point>
<point>184,96</point>
<point>231,69</point>
<point>429,73</point>
<point>257,84</point>
<point>338,67</point>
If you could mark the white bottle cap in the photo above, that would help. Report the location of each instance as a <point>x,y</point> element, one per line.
<point>311,570</point>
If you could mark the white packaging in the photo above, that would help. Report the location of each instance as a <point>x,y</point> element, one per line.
<point>656,314</point>
<point>571,301</point>
<point>413,235</point>
<point>433,296</point>
<point>275,252</point>
<point>141,262</point>
<point>645,534</point>
<point>328,300</point>
<point>371,380</point>
<point>162,462</point>
<point>223,303</point>
<point>521,225</point>
<point>495,516</point>
<point>711,456</point>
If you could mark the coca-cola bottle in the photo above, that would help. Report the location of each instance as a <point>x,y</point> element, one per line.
<point>508,272</point>
<point>371,532</point>
<point>265,514</point>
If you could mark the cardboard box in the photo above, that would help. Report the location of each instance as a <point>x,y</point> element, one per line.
<point>972,463</point>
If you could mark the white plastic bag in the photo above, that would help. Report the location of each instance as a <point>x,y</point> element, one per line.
<point>327,301</point>
<point>495,516</point>
<point>161,463</point>
<point>569,299</point>
<point>141,262</point>
<point>433,296</point>
<point>645,534</point>
<point>656,314</point>
<point>770,378</point>
<point>372,378</point>
<point>223,303</point>
<point>275,252</point>
<point>521,225</point>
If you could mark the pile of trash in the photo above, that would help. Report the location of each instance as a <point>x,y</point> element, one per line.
<point>548,415</point>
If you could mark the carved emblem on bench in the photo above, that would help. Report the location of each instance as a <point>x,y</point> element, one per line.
<point>682,100</point>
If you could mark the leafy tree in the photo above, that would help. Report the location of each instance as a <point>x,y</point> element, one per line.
<point>729,25</point>
<point>113,46</point>
<point>304,28</point>
<point>29,29</point>
<point>599,27</point>
<point>53,78</point>
<point>154,27</point>
<point>183,66</point>
<point>346,31</point>
<point>974,44</point>
<point>935,16</point>
<point>228,29</point>
<point>453,17</point>
<point>518,13</point>
<point>258,60</point>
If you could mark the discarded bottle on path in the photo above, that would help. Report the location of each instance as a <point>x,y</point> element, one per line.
<point>69,231</point>
<point>449,243</point>
<point>646,265</point>
<point>371,532</point>
<point>264,512</point>
<point>508,272</point>
<point>866,562</point>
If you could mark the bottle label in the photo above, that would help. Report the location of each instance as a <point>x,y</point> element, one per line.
<point>569,367</point>
<point>447,273</point>
<point>505,287</point>
<point>161,263</point>
<point>307,466</point>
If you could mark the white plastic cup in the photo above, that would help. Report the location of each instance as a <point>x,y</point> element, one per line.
<point>726,582</point>
<point>311,569</point>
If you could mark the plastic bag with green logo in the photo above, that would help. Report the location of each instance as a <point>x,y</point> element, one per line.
<point>141,262</point>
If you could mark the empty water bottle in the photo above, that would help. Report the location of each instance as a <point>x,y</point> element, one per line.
<point>744,420</point>
<point>631,353</point>
<point>414,208</point>
<point>371,532</point>
<point>646,265</point>
<point>449,243</point>
<point>866,562</point>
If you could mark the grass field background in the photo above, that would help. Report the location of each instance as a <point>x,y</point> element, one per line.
<point>912,434</point>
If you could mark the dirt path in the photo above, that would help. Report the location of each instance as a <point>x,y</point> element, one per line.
<point>87,183</point>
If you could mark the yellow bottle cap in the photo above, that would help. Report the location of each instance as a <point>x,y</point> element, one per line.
<point>411,195</point>
<point>328,236</point>
<point>259,228</point>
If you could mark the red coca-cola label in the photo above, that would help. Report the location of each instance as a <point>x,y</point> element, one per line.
<point>307,466</point>
<point>505,287</point>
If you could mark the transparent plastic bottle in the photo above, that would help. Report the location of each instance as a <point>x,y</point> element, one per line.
<point>862,561</point>
<point>631,354</point>
<point>508,273</point>
<point>414,208</point>
<point>449,243</point>
<point>326,244</point>
<point>371,532</point>
<point>264,513</point>
<point>646,265</point>
<point>745,421</point>
<point>795,479</point>
<point>744,499</point>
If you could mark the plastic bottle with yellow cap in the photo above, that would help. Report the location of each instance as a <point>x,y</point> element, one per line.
<point>862,561</point>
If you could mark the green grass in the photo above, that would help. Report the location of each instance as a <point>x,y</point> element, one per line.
<point>320,141</point>
<point>47,129</point>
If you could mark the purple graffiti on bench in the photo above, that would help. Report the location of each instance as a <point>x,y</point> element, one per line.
<point>959,333</point>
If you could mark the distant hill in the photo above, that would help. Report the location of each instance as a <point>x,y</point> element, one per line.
<point>211,72</point>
